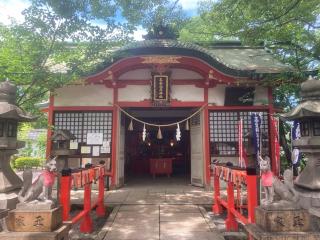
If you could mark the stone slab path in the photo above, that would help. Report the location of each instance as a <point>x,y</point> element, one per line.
<point>160,222</point>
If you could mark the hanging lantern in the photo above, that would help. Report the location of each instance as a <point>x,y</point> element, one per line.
<point>130,128</point>
<point>159,135</point>
<point>187,125</point>
<point>144,133</point>
<point>178,133</point>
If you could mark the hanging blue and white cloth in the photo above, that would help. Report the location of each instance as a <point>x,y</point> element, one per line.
<point>295,155</point>
<point>256,130</point>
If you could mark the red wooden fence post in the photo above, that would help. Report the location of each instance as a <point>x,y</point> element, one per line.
<point>231,223</point>
<point>252,197</point>
<point>100,208</point>
<point>65,189</point>
<point>216,207</point>
<point>86,224</point>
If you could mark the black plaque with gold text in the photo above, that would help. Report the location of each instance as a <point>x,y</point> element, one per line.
<point>160,89</point>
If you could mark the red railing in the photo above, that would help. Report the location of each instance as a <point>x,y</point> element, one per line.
<point>240,179</point>
<point>83,178</point>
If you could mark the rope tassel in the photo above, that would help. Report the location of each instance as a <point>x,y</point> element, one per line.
<point>144,133</point>
<point>178,133</point>
<point>159,135</point>
<point>130,128</point>
<point>187,125</point>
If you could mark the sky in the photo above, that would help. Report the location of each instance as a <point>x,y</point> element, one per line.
<point>11,9</point>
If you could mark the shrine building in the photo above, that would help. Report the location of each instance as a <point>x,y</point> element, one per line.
<point>126,112</point>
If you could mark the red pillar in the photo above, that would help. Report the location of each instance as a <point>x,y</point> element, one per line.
<point>100,208</point>
<point>206,138</point>
<point>65,189</point>
<point>231,223</point>
<point>115,113</point>
<point>50,123</point>
<point>86,224</point>
<point>252,196</point>
<point>216,207</point>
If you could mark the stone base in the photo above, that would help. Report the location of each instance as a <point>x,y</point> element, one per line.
<point>259,234</point>
<point>39,205</point>
<point>34,221</point>
<point>8,200</point>
<point>62,233</point>
<point>308,199</point>
<point>293,220</point>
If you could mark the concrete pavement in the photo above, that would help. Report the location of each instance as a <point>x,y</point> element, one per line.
<point>161,222</point>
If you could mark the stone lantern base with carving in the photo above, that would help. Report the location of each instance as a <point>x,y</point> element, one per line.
<point>307,114</point>
<point>10,116</point>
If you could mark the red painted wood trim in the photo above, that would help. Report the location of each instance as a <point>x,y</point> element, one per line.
<point>148,104</point>
<point>114,140</point>
<point>206,139</point>
<point>50,123</point>
<point>274,164</point>
<point>83,108</point>
<point>244,108</point>
<point>130,63</point>
<point>173,82</point>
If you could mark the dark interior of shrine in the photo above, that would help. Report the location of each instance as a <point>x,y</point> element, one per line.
<point>138,152</point>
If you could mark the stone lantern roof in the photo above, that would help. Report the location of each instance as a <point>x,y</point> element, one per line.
<point>62,135</point>
<point>310,103</point>
<point>8,107</point>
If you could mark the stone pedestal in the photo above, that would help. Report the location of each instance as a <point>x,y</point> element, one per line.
<point>282,224</point>
<point>293,220</point>
<point>34,220</point>
<point>62,233</point>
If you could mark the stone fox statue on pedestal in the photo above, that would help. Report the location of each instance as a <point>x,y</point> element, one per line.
<point>273,186</point>
<point>41,188</point>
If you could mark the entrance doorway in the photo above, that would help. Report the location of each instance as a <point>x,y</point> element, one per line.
<point>139,155</point>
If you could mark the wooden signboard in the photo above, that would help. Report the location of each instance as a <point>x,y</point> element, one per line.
<point>160,89</point>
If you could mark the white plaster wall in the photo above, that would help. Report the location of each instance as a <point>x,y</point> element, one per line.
<point>260,96</point>
<point>187,93</point>
<point>178,73</point>
<point>138,74</point>
<point>216,95</point>
<point>145,74</point>
<point>135,93</point>
<point>89,95</point>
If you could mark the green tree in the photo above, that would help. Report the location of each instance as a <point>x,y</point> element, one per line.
<point>288,28</point>
<point>60,41</point>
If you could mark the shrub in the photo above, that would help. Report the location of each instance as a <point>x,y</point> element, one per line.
<point>28,162</point>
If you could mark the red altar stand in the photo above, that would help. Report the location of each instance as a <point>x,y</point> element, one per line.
<point>160,166</point>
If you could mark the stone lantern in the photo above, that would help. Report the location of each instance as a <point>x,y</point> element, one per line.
<point>307,113</point>
<point>61,147</point>
<point>10,116</point>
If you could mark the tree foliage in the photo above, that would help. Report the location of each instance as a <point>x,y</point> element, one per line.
<point>288,28</point>
<point>60,41</point>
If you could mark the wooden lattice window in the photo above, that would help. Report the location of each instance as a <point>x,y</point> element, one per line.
<point>12,129</point>
<point>224,131</point>
<point>304,128</point>
<point>2,127</point>
<point>316,128</point>
<point>81,123</point>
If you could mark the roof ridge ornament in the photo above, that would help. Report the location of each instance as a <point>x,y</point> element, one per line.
<point>161,31</point>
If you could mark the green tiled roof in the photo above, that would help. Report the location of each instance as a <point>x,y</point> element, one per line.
<point>236,60</point>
